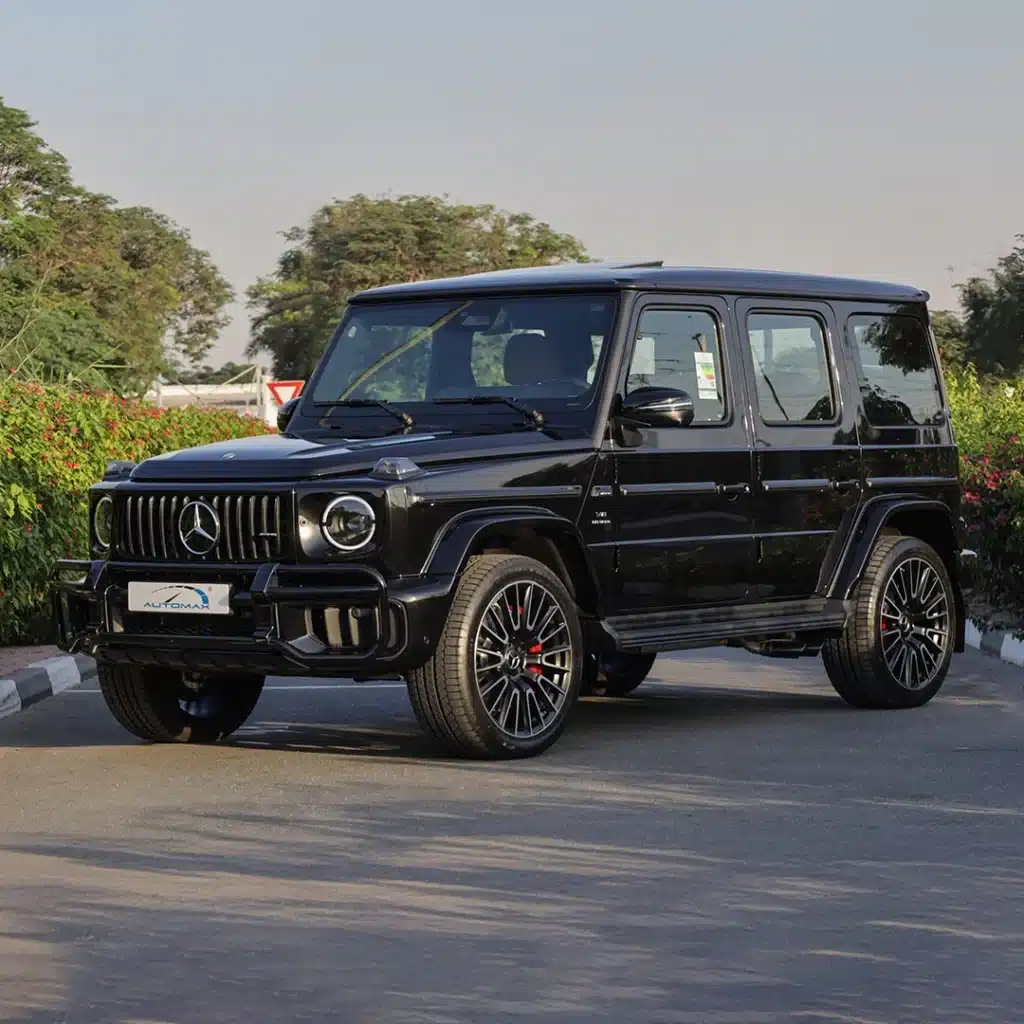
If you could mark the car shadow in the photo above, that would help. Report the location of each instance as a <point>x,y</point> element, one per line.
<point>386,728</point>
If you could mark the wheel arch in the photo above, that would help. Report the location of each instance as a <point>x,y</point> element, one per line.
<point>927,520</point>
<point>535,533</point>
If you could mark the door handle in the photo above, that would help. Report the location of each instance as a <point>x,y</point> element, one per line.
<point>845,485</point>
<point>734,488</point>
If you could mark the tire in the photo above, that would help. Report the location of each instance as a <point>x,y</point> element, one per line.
<point>616,675</point>
<point>864,664</point>
<point>459,696</point>
<point>155,704</point>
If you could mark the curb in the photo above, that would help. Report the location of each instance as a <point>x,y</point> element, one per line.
<point>1000,643</point>
<point>33,683</point>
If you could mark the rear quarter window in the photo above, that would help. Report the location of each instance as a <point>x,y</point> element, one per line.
<point>898,378</point>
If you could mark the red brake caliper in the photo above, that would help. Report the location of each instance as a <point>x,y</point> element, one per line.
<point>536,649</point>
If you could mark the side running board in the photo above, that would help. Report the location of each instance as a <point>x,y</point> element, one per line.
<point>667,631</point>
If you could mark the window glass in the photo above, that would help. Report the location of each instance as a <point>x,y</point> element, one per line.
<point>791,369</point>
<point>679,348</point>
<point>533,347</point>
<point>898,379</point>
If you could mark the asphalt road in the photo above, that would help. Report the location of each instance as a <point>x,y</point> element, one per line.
<point>732,845</point>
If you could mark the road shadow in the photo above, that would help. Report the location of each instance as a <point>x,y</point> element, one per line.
<point>505,903</point>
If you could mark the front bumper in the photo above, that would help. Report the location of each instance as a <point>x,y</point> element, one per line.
<point>285,619</point>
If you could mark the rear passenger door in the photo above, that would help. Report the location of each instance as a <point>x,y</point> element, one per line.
<point>807,460</point>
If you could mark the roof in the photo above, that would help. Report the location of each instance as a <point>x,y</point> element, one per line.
<point>648,276</point>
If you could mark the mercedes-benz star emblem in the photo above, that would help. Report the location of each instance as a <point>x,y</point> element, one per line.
<point>199,528</point>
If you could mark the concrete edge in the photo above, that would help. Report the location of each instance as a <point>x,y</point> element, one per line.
<point>1000,643</point>
<point>33,683</point>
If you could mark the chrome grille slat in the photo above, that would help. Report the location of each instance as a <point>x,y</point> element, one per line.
<point>173,528</point>
<point>162,518</point>
<point>252,527</point>
<point>251,502</point>
<point>138,518</point>
<point>263,525</point>
<point>225,524</point>
<point>151,523</point>
<point>240,535</point>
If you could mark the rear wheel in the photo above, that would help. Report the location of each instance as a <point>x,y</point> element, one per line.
<point>161,706</point>
<point>507,667</point>
<point>617,674</point>
<point>898,643</point>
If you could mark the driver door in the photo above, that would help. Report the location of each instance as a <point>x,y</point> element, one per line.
<point>683,514</point>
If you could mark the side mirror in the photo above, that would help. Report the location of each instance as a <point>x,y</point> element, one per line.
<point>658,407</point>
<point>285,413</point>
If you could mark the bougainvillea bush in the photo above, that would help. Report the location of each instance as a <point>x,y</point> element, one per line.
<point>988,417</point>
<point>55,443</point>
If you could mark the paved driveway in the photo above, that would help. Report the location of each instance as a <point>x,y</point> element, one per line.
<point>732,845</point>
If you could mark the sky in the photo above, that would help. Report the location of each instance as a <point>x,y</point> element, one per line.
<point>874,139</point>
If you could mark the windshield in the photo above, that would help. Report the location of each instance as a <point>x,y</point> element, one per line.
<point>530,348</point>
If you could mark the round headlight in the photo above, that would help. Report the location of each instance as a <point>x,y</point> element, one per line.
<point>102,521</point>
<point>348,523</point>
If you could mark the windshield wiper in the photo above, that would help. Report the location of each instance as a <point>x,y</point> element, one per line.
<point>350,403</point>
<point>513,403</point>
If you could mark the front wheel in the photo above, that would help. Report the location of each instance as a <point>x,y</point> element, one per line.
<point>507,667</point>
<point>161,706</point>
<point>898,643</point>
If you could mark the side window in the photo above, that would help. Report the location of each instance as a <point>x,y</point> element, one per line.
<point>791,371</point>
<point>898,379</point>
<point>680,348</point>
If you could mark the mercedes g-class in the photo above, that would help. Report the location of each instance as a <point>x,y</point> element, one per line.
<point>512,488</point>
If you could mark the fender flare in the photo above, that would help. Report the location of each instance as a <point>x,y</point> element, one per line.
<point>874,517</point>
<point>861,540</point>
<point>453,543</point>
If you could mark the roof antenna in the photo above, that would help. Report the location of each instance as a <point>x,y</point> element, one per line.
<point>628,264</point>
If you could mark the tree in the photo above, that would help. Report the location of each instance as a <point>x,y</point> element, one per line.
<point>949,336</point>
<point>90,290</point>
<point>994,316</point>
<point>364,242</point>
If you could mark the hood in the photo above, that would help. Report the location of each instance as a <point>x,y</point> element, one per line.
<point>281,457</point>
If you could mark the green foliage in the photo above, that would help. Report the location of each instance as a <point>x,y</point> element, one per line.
<point>994,316</point>
<point>988,416</point>
<point>90,291</point>
<point>54,444</point>
<point>985,412</point>
<point>949,336</point>
<point>365,242</point>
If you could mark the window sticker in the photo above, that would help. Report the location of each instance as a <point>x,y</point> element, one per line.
<point>707,379</point>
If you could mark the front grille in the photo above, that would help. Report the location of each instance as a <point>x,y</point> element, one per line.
<point>251,527</point>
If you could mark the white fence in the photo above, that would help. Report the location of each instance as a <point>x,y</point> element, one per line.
<point>248,397</point>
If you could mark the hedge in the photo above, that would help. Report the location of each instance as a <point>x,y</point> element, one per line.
<point>989,420</point>
<point>55,443</point>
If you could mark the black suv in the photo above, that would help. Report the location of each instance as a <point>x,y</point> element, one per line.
<point>513,488</point>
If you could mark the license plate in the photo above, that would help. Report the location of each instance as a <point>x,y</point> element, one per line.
<point>180,598</point>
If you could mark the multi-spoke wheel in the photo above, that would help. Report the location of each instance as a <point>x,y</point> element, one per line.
<point>896,648</point>
<point>523,659</point>
<point>507,668</point>
<point>160,705</point>
<point>914,623</point>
